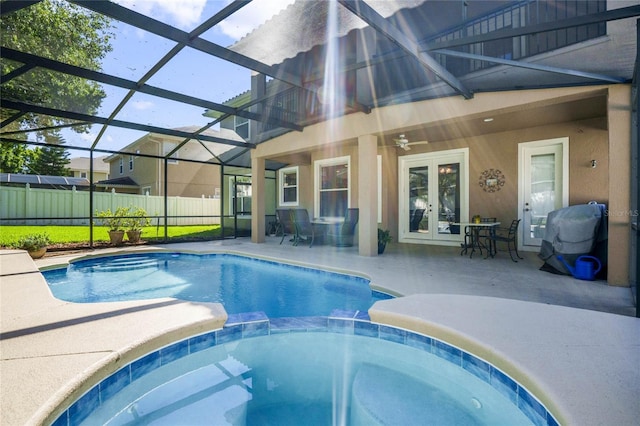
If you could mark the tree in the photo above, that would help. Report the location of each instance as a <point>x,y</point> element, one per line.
<point>50,160</point>
<point>13,157</point>
<point>67,33</point>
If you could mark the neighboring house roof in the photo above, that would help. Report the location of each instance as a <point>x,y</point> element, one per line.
<point>82,163</point>
<point>42,180</point>
<point>119,182</point>
<point>216,149</point>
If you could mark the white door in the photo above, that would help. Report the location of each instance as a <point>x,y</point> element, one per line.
<point>543,187</point>
<point>433,196</point>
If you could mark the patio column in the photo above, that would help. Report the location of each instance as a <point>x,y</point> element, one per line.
<point>368,195</point>
<point>619,208</point>
<point>257,198</point>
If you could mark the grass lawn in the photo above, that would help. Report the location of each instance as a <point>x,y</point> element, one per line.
<point>61,235</point>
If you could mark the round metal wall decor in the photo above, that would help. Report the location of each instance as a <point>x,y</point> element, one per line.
<point>491,180</point>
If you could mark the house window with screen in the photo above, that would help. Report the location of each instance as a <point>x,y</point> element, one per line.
<point>242,127</point>
<point>332,187</point>
<point>131,162</point>
<point>288,186</point>
<point>121,165</point>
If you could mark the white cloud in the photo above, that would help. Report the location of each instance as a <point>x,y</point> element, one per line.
<point>180,13</point>
<point>251,16</point>
<point>142,105</point>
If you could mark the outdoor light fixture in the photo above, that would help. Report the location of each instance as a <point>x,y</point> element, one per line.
<point>594,163</point>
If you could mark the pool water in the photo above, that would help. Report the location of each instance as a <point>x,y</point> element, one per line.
<point>241,284</point>
<point>308,378</point>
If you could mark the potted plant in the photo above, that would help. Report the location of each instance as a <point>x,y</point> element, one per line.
<point>134,222</point>
<point>114,221</point>
<point>34,244</point>
<point>384,237</point>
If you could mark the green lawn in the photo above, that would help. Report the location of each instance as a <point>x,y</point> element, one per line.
<point>79,234</point>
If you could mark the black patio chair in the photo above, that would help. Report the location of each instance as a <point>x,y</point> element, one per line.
<point>507,235</point>
<point>303,226</point>
<point>414,224</point>
<point>285,223</point>
<point>343,235</point>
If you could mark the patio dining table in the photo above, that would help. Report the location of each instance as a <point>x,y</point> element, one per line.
<point>322,226</point>
<point>472,235</point>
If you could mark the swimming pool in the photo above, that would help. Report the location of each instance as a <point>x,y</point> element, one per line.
<point>308,371</point>
<point>241,284</point>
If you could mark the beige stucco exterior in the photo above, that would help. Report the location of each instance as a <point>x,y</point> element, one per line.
<point>596,121</point>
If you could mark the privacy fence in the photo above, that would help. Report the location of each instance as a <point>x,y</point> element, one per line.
<point>36,206</point>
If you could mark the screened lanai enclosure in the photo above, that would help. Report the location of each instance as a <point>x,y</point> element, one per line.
<point>165,101</point>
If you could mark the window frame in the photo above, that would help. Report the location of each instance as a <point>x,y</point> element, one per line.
<point>329,162</point>
<point>281,186</point>
<point>121,164</point>
<point>242,122</point>
<point>131,163</point>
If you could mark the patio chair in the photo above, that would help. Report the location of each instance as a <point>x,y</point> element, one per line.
<point>510,238</point>
<point>343,235</point>
<point>485,233</point>
<point>285,223</point>
<point>303,227</point>
<point>414,224</point>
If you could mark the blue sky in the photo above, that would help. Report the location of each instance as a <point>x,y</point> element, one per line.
<point>190,72</point>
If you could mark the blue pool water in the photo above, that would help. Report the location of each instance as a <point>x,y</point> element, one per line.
<point>316,372</point>
<point>241,284</point>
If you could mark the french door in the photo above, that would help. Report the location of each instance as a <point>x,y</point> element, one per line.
<point>433,196</point>
<point>543,186</point>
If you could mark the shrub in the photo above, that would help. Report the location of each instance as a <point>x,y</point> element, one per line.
<point>33,242</point>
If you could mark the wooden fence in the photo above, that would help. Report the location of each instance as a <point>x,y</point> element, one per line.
<point>36,206</point>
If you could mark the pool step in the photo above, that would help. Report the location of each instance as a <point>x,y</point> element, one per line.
<point>127,264</point>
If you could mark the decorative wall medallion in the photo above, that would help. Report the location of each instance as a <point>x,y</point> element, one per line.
<point>491,180</point>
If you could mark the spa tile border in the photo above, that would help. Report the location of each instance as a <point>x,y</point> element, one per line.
<point>254,324</point>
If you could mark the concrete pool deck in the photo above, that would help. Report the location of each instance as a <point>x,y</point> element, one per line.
<point>574,344</point>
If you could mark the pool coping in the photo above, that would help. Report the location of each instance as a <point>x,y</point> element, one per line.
<point>600,352</point>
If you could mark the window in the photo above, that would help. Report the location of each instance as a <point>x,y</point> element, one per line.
<point>332,187</point>
<point>121,165</point>
<point>288,186</point>
<point>242,127</point>
<point>167,147</point>
<point>83,174</point>
<point>131,162</point>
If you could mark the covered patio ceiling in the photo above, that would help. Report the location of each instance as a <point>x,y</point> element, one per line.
<point>179,52</point>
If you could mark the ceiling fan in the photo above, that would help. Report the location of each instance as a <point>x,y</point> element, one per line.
<point>403,142</point>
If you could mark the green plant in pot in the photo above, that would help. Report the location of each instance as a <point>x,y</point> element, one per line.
<point>114,221</point>
<point>384,237</point>
<point>134,222</point>
<point>35,244</point>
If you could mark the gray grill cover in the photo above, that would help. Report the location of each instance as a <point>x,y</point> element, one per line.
<point>572,232</point>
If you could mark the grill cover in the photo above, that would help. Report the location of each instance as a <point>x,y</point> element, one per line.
<point>572,232</point>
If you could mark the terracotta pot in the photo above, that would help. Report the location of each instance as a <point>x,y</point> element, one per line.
<point>133,236</point>
<point>37,254</point>
<point>116,237</point>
